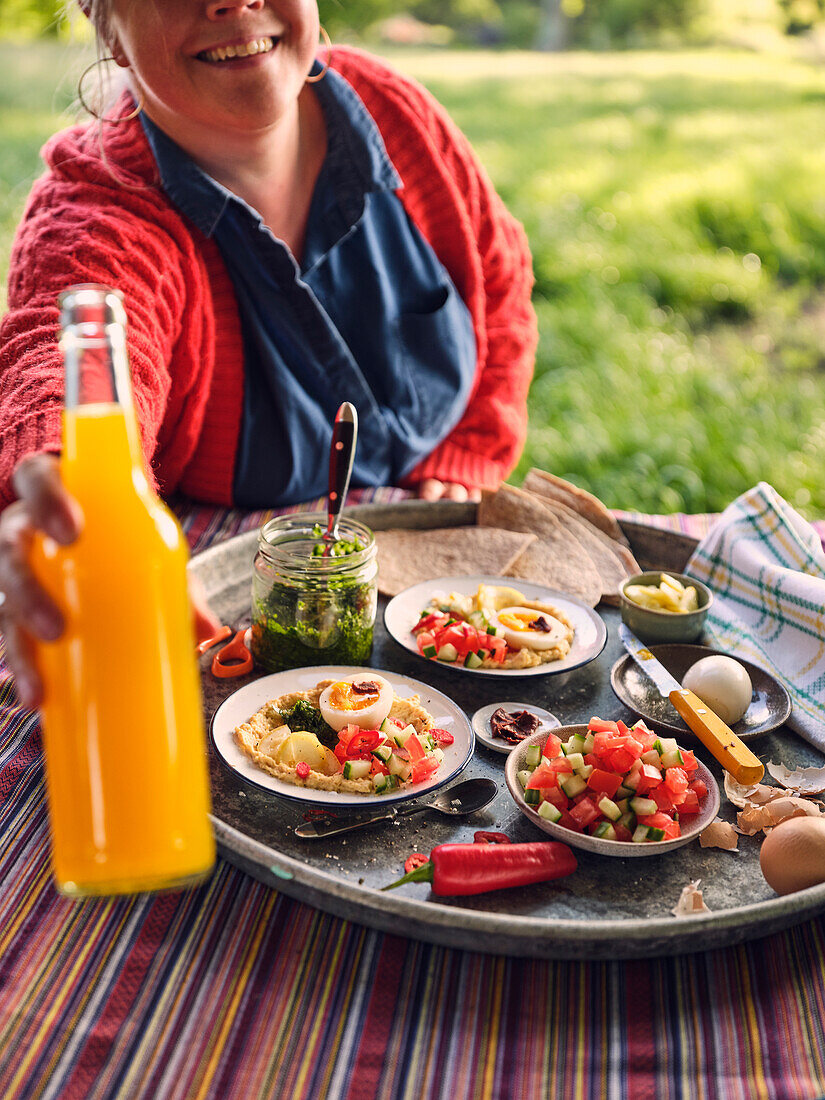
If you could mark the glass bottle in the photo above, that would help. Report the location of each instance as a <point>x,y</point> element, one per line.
<point>122,718</point>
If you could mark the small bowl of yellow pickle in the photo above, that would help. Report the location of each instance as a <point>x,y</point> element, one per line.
<point>659,606</point>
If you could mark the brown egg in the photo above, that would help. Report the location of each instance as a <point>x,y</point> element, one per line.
<point>793,854</point>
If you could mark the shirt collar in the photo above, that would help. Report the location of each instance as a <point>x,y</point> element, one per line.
<point>355,153</point>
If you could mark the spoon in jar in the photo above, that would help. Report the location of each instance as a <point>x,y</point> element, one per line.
<point>341,458</point>
<point>459,801</point>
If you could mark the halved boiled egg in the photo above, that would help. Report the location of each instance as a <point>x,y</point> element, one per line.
<point>523,627</point>
<point>363,700</point>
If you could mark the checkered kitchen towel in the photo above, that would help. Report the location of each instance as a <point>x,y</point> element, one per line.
<point>766,567</point>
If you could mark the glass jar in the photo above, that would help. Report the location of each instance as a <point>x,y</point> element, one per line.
<point>308,609</point>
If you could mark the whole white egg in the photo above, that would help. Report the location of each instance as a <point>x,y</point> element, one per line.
<point>519,626</point>
<point>362,700</point>
<point>722,684</point>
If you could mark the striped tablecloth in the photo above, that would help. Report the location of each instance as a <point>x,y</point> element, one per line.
<point>234,992</point>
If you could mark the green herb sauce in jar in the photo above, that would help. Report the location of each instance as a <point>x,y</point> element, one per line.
<point>311,609</point>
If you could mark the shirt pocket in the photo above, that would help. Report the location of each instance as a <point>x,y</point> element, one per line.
<point>437,354</point>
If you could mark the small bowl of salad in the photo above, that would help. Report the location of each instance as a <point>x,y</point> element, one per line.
<point>613,789</point>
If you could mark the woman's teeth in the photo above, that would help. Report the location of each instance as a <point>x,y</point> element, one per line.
<point>248,49</point>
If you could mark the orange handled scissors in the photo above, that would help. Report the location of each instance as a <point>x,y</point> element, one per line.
<point>236,652</point>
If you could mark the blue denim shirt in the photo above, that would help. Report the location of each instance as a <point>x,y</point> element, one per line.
<point>371,316</point>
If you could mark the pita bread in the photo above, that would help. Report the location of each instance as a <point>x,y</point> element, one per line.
<point>614,562</point>
<point>556,559</point>
<point>410,557</point>
<point>563,492</point>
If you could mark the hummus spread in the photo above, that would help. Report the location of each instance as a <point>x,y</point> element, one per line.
<point>260,737</point>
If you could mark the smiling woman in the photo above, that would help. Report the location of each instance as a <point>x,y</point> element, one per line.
<point>288,232</point>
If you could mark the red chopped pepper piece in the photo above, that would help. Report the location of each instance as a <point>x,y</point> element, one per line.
<point>490,838</point>
<point>461,869</point>
<point>302,769</point>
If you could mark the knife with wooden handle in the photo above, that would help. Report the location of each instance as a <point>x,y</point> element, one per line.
<point>717,737</point>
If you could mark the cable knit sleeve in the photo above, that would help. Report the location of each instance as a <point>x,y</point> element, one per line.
<point>91,229</point>
<point>449,196</point>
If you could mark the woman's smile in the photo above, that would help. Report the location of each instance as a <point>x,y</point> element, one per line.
<point>242,50</point>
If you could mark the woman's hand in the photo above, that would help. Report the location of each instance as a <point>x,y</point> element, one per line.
<point>432,489</point>
<point>45,506</point>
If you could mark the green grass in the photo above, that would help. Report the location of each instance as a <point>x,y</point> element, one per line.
<point>676,211</point>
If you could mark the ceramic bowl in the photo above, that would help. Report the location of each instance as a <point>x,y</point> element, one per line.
<point>665,626</point>
<point>708,808</point>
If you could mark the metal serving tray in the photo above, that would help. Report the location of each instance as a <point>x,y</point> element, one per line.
<point>610,908</point>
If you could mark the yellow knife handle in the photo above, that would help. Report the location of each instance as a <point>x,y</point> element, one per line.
<point>718,738</point>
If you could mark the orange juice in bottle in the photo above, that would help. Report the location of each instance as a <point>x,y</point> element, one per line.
<point>123,732</point>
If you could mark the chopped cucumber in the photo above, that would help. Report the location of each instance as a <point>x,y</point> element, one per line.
<point>628,820</point>
<point>609,808</point>
<point>577,743</point>
<point>447,653</point>
<point>381,783</point>
<point>549,812</point>
<point>399,767</point>
<point>472,660</point>
<point>576,761</point>
<point>388,726</point>
<point>672,759</point>
<point>532,797</point>
<point>572,784</point>
<point>524,776</point>
<point>605,831</point>
<point>643,807</point>
<point>533,756</point>
<point>623,792</point>
<point>640,834</point>
<point>383,752</point>
<point>357,769</point>
<point>651,757</point>
<point>668,745</point>
<point>589,742</point>
<point>585,771</point>
<point>429,651</point>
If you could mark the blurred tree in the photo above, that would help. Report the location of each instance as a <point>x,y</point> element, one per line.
<point>25,18</point>
<point>801,15</point>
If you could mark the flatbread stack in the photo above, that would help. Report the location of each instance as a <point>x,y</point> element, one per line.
<point>410,557</point>
<point>549,532</point>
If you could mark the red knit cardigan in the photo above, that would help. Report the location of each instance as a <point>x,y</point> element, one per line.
<point>99,215</point>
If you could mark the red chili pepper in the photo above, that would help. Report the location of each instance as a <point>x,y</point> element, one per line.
<point>458,869</point>
<point>417,859</point>
<point>490,838</point>
<point>363,743</point>
<point>441,737</point>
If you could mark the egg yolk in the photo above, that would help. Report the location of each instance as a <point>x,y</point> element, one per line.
<point>342,697</point>
<point>518,620</point>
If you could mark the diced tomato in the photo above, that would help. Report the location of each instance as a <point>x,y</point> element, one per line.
<point>379,767</point>
<point>423,769</point>
<point>363,743</point>
<point>606,740</point>
<point>596,725</point>
<point>619,759</point>
<point>672,829</point>
<point>689,804</point>
<point>622,727</point>
<point>462,635</point>
<point>622,831</point>
<point>650,777</point>
<point>676,781</point>
<point>497,646</point>
<point>340,751</point>
<point>440,736</point>
<point>424,639</point>
<point>584,812</point>
<point>604,782</point>
<point>592,759</point>
<point>657,820</point>
<point>662,798</point>
<point>569,822</point>
<point>645,737</point>
<point>414,748</point>
<point>349,731</point>
<point>556,796</point>
<point>552,746</point>
<point>434,621</point>
<point>689,762</point>
<point>698,788</point>
<point>545,775</point>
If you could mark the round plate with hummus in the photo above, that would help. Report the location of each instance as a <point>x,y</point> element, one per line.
<point>243,722</point>
<point>495,626</point>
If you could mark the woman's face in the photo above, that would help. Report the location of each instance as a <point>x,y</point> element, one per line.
<point>216,66</point>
